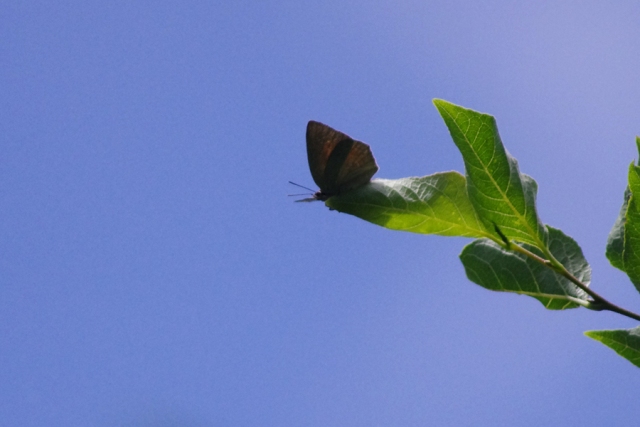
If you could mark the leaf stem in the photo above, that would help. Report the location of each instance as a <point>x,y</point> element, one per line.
<point>599,303</point>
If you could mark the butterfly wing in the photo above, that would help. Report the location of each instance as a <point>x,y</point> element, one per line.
<point>337,162</point>
<point>321,140</point>
<point>358,168</point>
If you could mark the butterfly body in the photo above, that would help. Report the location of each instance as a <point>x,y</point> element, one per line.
<point>337,162</point>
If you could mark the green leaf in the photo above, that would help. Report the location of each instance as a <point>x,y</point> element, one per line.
<point>615,241</point>
<point>625,342</point>
<point>493,267</point>
<point>631,251</point>
<point>435,204</point>
<point>499,193</point>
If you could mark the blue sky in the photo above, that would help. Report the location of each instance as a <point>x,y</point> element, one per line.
<point>154,271</point>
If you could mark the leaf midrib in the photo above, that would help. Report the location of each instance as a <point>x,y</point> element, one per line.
<point>504,198</point>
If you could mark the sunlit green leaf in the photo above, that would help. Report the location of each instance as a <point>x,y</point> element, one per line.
<point>625,342</point>
<point>435,204</point>
<point>501,195</point>
<point>615,242</point>
<point>631,252</point>
<point>626,231</point>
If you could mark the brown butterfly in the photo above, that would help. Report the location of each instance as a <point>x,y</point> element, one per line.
<point>337,162</point>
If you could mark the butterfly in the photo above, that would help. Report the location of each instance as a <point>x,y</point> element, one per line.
<point>337,162</point>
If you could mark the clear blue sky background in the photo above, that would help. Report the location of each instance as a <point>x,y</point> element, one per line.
<point>153,271</point>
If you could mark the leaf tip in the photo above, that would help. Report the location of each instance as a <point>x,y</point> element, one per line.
<point>440,103</point>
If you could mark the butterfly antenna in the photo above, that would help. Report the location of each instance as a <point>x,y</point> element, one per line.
<point>301,186</point>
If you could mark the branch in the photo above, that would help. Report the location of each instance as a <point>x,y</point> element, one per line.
<point>599,303</point>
